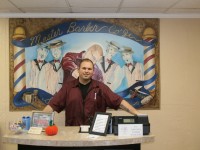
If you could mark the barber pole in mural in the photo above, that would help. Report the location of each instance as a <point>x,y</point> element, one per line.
<point>19,61</point>
<point>149,60</point>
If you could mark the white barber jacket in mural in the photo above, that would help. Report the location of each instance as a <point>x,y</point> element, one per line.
<point>112,74</point>
<point>132,73</point>
<point>37,74</point>
<point>55,77</point>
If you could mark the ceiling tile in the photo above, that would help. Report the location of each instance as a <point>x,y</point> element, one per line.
<point>10,10</point>
<point>183,11</point>
<point>93,10</point>
<point>39,3</point>
<point>7,7</point>
<point>188,4</point>
<point>100,6</point>
<point>94,3</point>
<point>6,4</point>
<point>148,3</point>
<point>141,10</point>
<point>46,10</point>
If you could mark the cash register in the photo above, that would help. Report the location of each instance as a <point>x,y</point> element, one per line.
<point>140,119</point>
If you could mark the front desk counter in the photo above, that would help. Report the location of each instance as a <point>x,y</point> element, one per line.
<point>69,138</point>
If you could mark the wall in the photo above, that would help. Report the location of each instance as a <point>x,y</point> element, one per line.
<point>176,124</point>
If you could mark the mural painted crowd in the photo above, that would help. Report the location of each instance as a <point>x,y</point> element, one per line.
<point>49,76</point>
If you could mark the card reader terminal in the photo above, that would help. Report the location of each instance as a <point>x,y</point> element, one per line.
<point>140,119</point>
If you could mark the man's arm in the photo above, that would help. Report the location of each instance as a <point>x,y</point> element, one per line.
<point>128,108</point>
<point>48,108</point>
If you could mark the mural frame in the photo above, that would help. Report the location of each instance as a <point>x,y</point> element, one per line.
<point>32,27</point>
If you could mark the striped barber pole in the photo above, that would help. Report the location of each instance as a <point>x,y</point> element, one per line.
<point>19,62</point>
<point>149,60</point>
<point>19,69</point>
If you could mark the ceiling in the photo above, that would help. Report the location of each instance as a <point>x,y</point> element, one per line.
<point>20,8</point>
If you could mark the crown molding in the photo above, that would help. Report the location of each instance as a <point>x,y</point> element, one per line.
<point>98,15</point>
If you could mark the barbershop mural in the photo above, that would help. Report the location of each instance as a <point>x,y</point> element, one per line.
<point>45,53</point>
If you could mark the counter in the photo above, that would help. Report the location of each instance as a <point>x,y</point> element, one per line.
<point>69,137</point>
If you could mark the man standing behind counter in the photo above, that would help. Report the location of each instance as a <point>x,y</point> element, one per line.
<point>82,97</point>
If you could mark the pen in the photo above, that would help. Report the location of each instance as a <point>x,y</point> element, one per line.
<point>95,96</point>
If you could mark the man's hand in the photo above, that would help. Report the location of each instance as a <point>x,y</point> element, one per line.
<point>48,109</point>
<point>128,108</point>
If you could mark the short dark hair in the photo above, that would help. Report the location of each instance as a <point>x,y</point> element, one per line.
<point>86,60</point>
